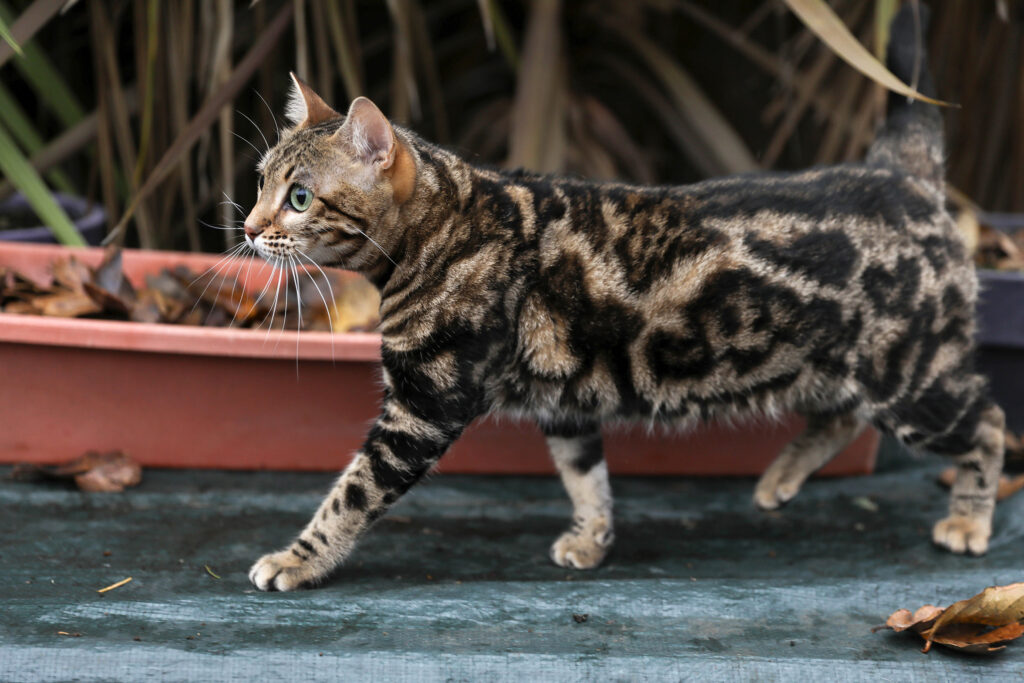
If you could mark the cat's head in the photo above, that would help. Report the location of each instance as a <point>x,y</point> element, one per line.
<point>331,188</point>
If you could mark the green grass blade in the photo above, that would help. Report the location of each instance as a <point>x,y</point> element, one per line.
<point>12,116</point>
<point>21,174</point>
<point>47,82</point>
<point>5,33</point>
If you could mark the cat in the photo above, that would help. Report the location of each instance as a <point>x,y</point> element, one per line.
<point>842,293</point>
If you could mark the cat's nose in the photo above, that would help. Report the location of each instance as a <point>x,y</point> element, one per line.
<point>252,231</point>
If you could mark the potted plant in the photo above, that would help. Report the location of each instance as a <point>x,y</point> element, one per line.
<point>182,396</point>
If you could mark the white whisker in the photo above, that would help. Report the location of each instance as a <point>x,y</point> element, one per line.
<point>374,243</point>
<point>230,254</point>
<point>233,203</point>
<point>277,293</point>
<point>330,318</point>
<point>234,285</point>
<point>272,117</point>
<point>217,227</point>
<point>254,147</point>
<point>257,130</point>
<point>284,318</point>
<point>298,296</point>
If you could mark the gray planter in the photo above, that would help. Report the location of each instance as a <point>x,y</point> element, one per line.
<point>89,218</point>
<point>1001,340</point>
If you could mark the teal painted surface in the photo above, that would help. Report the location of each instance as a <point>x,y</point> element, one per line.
<point>455,584</point>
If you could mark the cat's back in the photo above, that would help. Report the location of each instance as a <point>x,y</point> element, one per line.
<point>645,296</point>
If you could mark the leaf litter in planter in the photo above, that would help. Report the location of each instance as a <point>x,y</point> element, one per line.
<point>327,301</point>
<point>978,625</point>
<point>112,471</point>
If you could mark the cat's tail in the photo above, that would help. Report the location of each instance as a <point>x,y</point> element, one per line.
<point>911,137</point>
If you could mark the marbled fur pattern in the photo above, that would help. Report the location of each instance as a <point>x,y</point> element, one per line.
<point>841,293</point>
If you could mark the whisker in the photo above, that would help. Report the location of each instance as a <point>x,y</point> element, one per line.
<point>217,227</point>
<point>330,318</point>
<point>277,293</point>
<point>254,147</point>
<point>298,297</point>
<point>230,254</point>
<point>374,243</point>
<point>272,117</point>
<point>234,286</point>
<point>232,203</point>
<point>257,130</point>
<point>284,318</point>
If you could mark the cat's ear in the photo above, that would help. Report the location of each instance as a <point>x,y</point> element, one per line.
<point>306,108</point>
<point>369,133</point>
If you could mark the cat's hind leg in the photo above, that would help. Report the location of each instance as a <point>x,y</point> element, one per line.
<point>954,416</point>
<point>578,455</point>
<point>972,501</point>
<point>823,439</point>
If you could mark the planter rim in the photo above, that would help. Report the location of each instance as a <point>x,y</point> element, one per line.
<point>119,335</point>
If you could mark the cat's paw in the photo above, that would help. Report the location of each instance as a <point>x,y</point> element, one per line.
<point>774,490</point>
<point>283,571</point>
<point>583,548</point>
<point>961,534</point>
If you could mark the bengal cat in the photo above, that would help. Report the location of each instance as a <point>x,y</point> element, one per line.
<point>842,293</point>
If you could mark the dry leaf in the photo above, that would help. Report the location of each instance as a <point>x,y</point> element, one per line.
<point>185,297</point>
<point>112,471</point>
<point>982,624</point>
<point>356,307</point>
<point>66,305</point>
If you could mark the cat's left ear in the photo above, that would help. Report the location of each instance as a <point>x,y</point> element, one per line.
<point>305,107</point>
<point>369,132</point>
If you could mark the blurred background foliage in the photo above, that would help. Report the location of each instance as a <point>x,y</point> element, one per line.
<point>161,109</point>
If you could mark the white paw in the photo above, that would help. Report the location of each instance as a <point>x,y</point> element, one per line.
<point>584,548</point>
<point>283,571</point>
<point>960,534</point>
<point>773,490</point>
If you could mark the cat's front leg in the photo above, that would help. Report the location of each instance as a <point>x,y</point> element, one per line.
<point>578,455</point>
<point>402,446</point>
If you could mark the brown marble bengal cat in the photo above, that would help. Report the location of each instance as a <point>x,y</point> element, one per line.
<point>843,293</point>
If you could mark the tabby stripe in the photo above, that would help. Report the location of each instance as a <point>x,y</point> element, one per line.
<point>307,546</point>
<point>355,219</point>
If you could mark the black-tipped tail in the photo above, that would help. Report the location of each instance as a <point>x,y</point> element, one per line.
<point>911,138</point>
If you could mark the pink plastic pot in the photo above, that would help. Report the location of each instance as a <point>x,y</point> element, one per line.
<point>178,396</point>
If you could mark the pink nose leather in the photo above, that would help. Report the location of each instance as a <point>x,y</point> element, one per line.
<point>252,231</point>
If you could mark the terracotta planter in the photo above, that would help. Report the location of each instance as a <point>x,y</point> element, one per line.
<point>177,396</point>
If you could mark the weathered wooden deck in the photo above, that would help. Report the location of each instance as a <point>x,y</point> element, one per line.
<point>455,583</point>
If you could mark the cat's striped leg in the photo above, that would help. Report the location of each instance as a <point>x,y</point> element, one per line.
<point>579,457</point>
<point>973,496</point>
<point>806,454</point>
<point>401,447</point>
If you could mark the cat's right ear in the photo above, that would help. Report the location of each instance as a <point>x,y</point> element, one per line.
<point>306,108</point>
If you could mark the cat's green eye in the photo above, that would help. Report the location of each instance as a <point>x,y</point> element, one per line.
<point>300,198</point>
<point>259,183</point>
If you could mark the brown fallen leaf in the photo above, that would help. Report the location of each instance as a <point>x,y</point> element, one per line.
<point>72,274</point>
<point>112,471</point>
<point>981,624</point>
<point>66,305</point>
<point>356,307</point>
<point>181,296</point>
